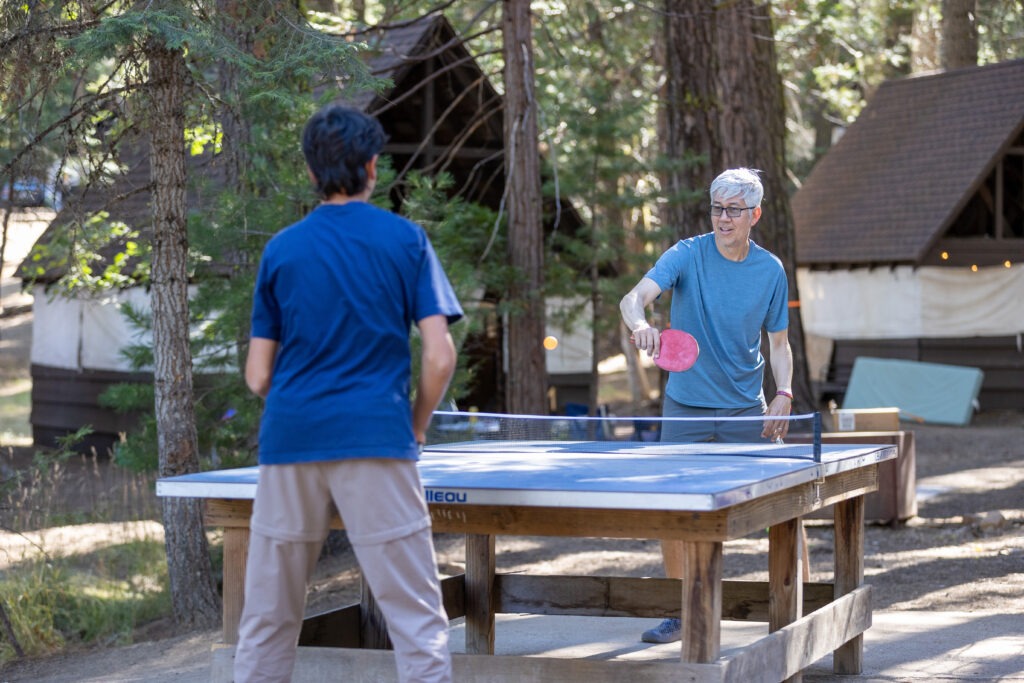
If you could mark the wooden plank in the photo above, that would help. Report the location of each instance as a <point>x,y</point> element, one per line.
<point>373,628</point>
<point>701,612</point>
<point>453,595</point>
<point>849,559</point>
<point>797,501</point>
<point>617,596</point>
<point>314,665</point>
<point>340,627</point>
<point>786,652</point>
<point>537,521</point>
<point>722,525</point>
<point>227,513</point>
<point>236,555</point>
<point>333,628</point>
<point>480,594</point>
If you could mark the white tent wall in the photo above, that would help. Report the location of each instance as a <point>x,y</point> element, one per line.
<point>906,302</point>
<point>86,331</point>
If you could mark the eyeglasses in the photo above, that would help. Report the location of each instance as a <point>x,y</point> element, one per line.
<point>730,211</point>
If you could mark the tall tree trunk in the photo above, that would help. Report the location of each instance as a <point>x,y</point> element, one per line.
<point>959,47</point>
<point>688,132</point>
<point>753,129</point>
<point>193,594</point>
<point>526,387</point>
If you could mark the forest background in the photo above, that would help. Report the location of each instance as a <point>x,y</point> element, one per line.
<point>636,106</point>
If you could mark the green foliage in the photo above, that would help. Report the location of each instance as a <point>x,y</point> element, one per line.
<point>54,601</point>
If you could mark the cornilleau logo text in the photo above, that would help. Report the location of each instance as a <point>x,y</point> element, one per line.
<point>435,496</point>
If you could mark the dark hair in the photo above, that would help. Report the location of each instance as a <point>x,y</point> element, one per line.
<point>337,143</point>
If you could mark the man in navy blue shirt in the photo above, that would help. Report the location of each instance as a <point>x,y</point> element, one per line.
<point>336,296</point>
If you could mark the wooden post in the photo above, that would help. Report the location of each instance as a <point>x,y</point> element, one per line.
<point>701,612</point>
<point>849,549</point>
<point>785,588</point>
<point>480,594</point>
<point>373,628</point>
<point>236,555</point>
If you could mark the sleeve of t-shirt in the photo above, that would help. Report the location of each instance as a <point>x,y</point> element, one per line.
<point>434,293</point>
<point>778,310</point>
<point>266,315</point>
<point>669,268</point>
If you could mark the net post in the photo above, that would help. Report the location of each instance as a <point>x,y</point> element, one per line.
<point>817,436</point>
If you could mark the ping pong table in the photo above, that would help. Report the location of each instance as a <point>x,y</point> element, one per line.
<point>700,494</point>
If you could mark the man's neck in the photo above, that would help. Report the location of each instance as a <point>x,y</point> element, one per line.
<point>737,253</point>
<point>339,198</point>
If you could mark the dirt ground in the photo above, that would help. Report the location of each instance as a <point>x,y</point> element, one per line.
<point>964,552</point>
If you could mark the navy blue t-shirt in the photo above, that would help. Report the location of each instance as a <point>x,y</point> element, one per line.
<point>723,304</point>
<point>339,291</point>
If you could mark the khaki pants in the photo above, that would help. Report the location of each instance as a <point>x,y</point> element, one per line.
<point>382,506</point>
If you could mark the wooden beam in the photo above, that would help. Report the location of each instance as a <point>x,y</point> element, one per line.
<point>480,593</point>
<point>617,596</point>
<point>734,522</point>
<point>849,559</point>
<point>236,556</point>
<point>373,628</point>
<point>772,658</point>
<point>333,628</point>
<point>1000,208</point>
<point>701,613</point>
<point>784,653</point>
<point>314,665</point>
<point>785,587</point>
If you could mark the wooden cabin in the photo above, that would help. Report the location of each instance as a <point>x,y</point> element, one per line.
<point>910,232</point>
<point>442,114</point>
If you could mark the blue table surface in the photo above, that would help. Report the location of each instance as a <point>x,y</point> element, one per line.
<point>591,474</point>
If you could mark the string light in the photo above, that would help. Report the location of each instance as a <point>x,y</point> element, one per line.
<point>1007,264</point>
<point>974,268</point>
<point>945,256</point>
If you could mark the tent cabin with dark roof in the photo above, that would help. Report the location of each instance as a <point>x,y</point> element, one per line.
<point>910,232</point>
<point>442,114</point>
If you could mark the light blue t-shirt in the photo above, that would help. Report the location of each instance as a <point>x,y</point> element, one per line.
<point>723,304</point>
<point>339,291</point>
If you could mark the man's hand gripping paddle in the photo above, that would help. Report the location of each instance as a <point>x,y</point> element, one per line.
<point>679,351</point>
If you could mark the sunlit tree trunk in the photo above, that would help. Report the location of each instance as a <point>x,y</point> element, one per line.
<point>526,384</point>
<point>193,594</point>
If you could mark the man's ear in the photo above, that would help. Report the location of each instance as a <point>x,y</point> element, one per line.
<point>756,215</point>
<point>312,176</point>
<point>371,169</point>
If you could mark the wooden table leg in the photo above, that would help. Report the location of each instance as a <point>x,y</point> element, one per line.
<point>236,554</point>
<point>849,549</point>
<point>701,613</point>
<point>373,628</point>
<point>785,588</point>
<point>480,565</point>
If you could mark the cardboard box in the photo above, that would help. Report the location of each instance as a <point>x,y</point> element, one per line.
<point>866,420</point>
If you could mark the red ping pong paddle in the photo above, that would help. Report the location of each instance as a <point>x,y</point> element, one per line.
<point>679,351</point>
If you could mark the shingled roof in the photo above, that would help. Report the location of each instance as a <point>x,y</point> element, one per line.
<point>923,154</point>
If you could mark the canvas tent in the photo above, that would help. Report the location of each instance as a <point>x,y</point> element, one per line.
<point>910,232</point>
<point>442,114</point>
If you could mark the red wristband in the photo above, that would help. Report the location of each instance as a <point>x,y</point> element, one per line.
<point>788,395</point>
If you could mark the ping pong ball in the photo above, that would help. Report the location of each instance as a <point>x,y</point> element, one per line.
<point>550,343</point>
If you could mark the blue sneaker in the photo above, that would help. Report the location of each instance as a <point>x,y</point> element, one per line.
<point>668,631</point>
